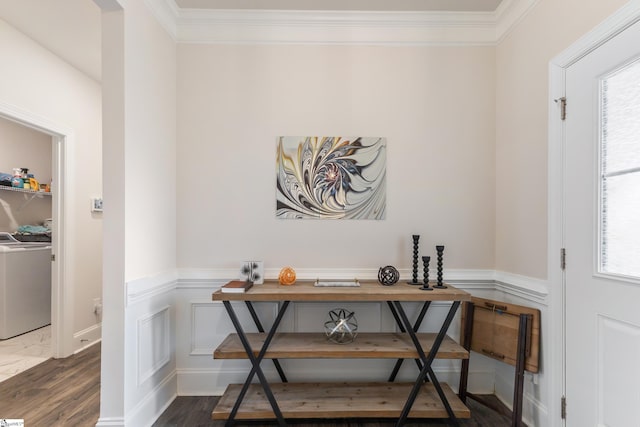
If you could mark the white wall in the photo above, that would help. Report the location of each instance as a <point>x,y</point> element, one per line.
<point>139,80</point>
<point>30,148</point>
<point>39,83</point>
<point>435,106</point>
<point>522,61</point>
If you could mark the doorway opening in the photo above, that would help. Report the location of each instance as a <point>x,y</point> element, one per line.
<point>61,137</point>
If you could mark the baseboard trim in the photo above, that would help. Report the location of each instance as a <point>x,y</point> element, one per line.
<point>87,337</point>
<point>531,407</point>
<point>149,409</point>
<point>110,422</point>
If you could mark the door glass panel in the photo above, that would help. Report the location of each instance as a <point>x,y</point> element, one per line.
<point>620,168</point>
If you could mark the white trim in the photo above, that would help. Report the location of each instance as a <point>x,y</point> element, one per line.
<point>622,19</point>
<point>555,241</point>
<point>164,315</point>
<point>165,12</point>
<point>87,337</point>
<point>206,277</point>
<point>149,409</point>
<point>338,27</point>
<point>110,422</point>
<point>108,5</point>
<point>529,288</point>
<point>538,411</point>
<point>193,305</point>
<point>61,296</point>
<point>148,287</point>
<point>509,14</point>
<point>616,23</point>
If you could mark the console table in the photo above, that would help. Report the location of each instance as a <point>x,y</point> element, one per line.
<point>424,398</point>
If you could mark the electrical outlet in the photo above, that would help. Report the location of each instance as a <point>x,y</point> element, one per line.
<point>97,306</point>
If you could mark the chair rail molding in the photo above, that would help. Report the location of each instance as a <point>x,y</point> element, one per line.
<point>528,288</point>
<point>147,287</point>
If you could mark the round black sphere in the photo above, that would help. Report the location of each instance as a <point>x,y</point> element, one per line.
<point>388,275</point>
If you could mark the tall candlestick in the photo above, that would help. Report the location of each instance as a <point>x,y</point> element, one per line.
<point>414,277</point>
<point>425,273</point>
<point>440,250</point>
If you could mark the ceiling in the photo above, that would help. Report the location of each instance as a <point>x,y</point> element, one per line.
<point>71,28</point>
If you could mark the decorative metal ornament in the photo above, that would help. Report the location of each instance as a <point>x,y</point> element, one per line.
<point>287,276</point>
<point>341,326</point>
<point>414,272</point>
<point>388,275</point>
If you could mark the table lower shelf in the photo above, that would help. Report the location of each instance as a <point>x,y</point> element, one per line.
<point>300,345</point>
<point>338,400</point>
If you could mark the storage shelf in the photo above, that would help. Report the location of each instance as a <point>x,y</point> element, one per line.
<point>316,346</point>
<point>22,190</point>
<point>338,400</point>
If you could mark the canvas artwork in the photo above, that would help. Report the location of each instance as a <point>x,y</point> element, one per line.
<point>331,177</point>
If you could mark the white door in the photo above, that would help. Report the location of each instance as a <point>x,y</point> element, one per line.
<point>602,235</point>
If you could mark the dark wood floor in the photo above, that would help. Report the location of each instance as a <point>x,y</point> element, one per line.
<point>58,392</point>
<point>188,411</point>
<point>66,393</point>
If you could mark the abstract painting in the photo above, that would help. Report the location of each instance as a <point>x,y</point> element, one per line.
<point>331,177</point>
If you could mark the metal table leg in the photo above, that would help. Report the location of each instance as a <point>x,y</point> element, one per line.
<point>255,363</point>
<point>416,326</point>
<point>523,332</point>
<point>464,370</point>
<point>258,324</point>
<point>427,361</point>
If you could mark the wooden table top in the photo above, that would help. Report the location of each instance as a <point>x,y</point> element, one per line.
<point>304,290</point>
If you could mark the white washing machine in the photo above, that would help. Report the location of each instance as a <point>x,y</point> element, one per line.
<point>25,286</point>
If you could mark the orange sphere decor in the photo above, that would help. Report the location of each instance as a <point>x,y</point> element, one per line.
<point>287,276</point>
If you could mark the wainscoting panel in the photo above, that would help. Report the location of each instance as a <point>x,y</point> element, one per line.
<point>153,343</point>
<point>150,362</point>
<point>210,323</point>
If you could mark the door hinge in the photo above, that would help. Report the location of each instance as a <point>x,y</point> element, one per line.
<point>53,257</point>
<point>563,408</point>
<point>563,258</point>
<point>563,107</point>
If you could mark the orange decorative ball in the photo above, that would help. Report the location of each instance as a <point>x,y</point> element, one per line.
<point>287,276</point>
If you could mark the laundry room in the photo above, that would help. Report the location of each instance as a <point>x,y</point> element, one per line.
<point>25,229</point>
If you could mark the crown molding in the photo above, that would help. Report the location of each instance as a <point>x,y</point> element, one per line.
<point>166,13</point>
<point>210,26</point>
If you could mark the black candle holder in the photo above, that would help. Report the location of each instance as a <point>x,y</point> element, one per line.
<point>414,277</point>
<point>425,274</point>
<point>440,250</point>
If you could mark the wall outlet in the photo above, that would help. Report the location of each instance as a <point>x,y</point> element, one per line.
<point>97,306</point>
